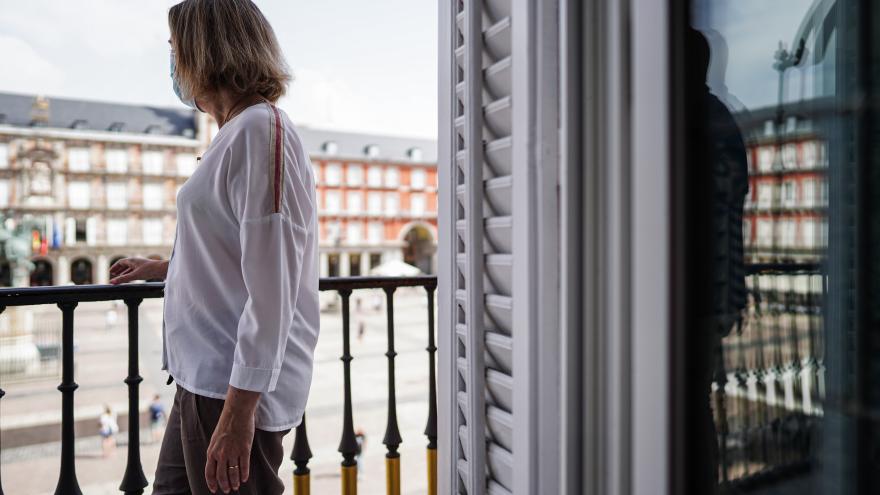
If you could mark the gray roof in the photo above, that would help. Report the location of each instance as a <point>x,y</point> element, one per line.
<point>354,145</point>
<point>17,110</point>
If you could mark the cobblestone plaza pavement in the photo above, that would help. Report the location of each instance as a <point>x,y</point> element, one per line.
<point>101,367</point>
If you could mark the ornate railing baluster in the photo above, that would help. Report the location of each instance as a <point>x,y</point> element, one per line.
<point>431,427</point>
<point>67,483</point>
<point>133,481</point>
<point>348,444</point>
<point>302,483</point>
<point>392,438</point>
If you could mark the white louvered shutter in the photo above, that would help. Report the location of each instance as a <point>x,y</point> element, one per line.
<point>491,205</point>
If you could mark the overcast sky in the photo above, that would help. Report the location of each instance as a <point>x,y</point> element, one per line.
<point>357,66</point>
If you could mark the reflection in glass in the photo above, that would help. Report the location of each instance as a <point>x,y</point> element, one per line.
<point>784,357</point>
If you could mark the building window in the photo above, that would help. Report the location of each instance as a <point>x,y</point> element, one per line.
<point>152,231</point>
<point>334,232</point>
<point>417,204</point>
<point>789,193</point>
<point>417,178</point>
<point>392,204</point>
<point>333,265</point>
<point>765,159</point>
<point>333,174</point>
<point>78,159</point>
<point>117,232</point>
<point>376,233</point>
<point>4,155</point>
<point>354,232</point>
<point>765,233</point>
<point>809,193</point>
<point>392,177</point>
<point>154,163</point>
<point>787,233</point>
<point>332,201</point>
<point>354,202</point>
<point>355,175</point>
<point>78,194</point>
<point>186,164</point>
<point>316,170</point>
<point>747,232</point>
<point>789,156</point>
<point>4,193</point>
<point>354,264</point>
<point>117,196</point>
<point>372,151</point>
<point>374,203</point>
<point>374,177</point>
<point>152,196</point>
<point>765,195</point>
<point>375,260</point>
<point>117,161</point>
<point>809,151</point>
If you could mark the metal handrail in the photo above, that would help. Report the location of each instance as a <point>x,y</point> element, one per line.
<point>134,481</point>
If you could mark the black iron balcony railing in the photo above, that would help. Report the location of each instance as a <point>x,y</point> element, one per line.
<point>769,385</point>
<point>134,481</point>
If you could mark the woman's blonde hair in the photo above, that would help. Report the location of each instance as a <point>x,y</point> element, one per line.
<point>226,44</point>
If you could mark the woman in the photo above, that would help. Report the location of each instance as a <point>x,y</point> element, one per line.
<point>108,428</point>
<point>241,286</point>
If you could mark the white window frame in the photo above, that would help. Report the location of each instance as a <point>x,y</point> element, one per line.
<point>79,159</point>
<point>117,195</point>
<point>333,201</point>
<point>333,174</point>
<point>766,156</point>
<point>117,231</point>
<point>79,195</point>
<point>417,204</point>
<point>422,180</point>
<point>374,203</point>
<point>4,155</point>
<point>153,195</point>
<point>375,232</point>
<point>392,204</point>
<point>375,176</point>
<point>116,160</point>
<point>153,162</point>
<point>354,202</point>
<point>152,231</point>
<point>354,232</point>
<point>392,177</point>
<point>354,175</point>
<point>4,193</point>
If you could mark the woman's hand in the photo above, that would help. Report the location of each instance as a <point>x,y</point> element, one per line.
<point>130,269</point>
<point>229,454</point>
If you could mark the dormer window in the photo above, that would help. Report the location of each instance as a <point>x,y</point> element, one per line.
<point>372,151</point>
<point>79,124</point>
<point>414,154</point>
<point>330,148</point>
<point>117,127</point>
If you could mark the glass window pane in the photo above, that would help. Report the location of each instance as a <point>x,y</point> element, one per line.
<point>778,178</point>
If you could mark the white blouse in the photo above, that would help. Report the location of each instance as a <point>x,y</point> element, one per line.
<point>241,294</point>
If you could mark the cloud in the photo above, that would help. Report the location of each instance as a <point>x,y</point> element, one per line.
<point>26,70</point>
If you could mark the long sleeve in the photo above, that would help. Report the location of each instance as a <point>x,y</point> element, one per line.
<point>272,238</point>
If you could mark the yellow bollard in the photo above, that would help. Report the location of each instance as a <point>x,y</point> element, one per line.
<point>392,475</point>
<point>349,480</point>
<point>302,484</point>
<point>432,471</point>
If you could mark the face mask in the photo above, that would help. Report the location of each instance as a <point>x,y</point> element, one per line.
<point>190,101</point>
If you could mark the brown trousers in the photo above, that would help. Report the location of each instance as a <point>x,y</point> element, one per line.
<point>182,459</point>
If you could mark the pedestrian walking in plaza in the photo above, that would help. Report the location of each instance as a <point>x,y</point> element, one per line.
<point>241,312</point>
<point>361,438</point>
<point>108,428</point>
<point>157,418</point>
